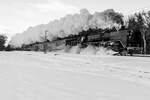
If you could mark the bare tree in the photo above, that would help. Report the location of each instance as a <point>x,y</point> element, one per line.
<point>139,22</point>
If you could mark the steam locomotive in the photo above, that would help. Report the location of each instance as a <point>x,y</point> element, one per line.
<point>124,42</point>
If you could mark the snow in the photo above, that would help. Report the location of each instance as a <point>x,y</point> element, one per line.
<point>62,76</point>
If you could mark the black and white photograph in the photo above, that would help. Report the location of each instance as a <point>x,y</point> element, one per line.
<point>74,50</point>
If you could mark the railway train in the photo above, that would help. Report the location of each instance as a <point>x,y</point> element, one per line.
<point>124,42</point>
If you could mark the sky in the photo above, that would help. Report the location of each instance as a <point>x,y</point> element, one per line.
<point>17,15</point>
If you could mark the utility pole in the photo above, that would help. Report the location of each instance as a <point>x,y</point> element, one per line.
<point>45,42</point>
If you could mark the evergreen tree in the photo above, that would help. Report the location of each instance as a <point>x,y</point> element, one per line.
<point>3,40</point>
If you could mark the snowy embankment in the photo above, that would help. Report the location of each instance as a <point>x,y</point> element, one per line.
<point>59,76</point>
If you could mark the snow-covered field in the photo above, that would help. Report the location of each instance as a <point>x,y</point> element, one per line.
<point>60,76</point>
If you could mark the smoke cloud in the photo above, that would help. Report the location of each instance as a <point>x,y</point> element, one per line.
<point>70,24</point>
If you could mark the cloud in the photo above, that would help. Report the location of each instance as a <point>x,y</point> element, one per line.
<point>55,6</point>
<point>4,29</point>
